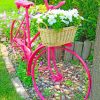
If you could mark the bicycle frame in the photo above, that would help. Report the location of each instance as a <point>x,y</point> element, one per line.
<point>25,21</point>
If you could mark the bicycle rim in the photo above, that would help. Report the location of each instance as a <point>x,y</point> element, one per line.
<point>76,81</point>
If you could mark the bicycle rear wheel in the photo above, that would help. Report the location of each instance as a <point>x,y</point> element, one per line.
<point>17,34</point>
<point>61,79</point>
<point>16,31</point>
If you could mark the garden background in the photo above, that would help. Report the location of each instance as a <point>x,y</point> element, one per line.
<point>87,31</point>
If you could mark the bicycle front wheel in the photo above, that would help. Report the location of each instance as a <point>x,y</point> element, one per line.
<point>56,78</point>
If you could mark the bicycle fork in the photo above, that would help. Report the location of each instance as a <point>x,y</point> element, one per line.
<point>57,76</point>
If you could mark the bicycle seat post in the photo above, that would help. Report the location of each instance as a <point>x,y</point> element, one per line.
<point>28,27</point>
<point>26,5</point>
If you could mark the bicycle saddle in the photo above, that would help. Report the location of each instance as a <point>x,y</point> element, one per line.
<point>25,4</point>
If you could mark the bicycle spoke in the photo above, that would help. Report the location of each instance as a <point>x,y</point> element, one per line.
<point>75,79</point>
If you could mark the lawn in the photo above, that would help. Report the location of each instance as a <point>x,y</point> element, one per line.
<point>7,5</point>
<point>7,90</point>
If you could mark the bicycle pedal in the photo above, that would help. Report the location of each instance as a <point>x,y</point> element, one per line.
<point>57,77</point>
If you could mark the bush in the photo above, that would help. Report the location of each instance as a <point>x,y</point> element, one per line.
<point>90,13</point>
<point>88,9</point>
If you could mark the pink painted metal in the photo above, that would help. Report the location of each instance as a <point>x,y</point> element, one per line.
<point>25,47</point>
<point>53,7</point>
<point>35,37</point>
<point>86,69</point>
<point>22,3</point>
<point>58,77</point>
<point>53,76</point>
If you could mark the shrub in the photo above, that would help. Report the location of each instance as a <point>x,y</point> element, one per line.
<point>88,9</point>
<point>58,19</point>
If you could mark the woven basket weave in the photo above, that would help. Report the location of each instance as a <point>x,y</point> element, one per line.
<point>50,37</point>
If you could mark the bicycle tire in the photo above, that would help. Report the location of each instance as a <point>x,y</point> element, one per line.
<point>34,62</point>
<point>17,33</point>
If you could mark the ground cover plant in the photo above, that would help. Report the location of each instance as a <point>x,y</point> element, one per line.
<point>7,14</point>
<point>21,73</point>
<point>7,90</point>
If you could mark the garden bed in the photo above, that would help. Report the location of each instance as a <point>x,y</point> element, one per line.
<point>75,83</point>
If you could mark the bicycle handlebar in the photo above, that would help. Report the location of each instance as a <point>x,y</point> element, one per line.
<point>59,5</point>
<point>53,7</point>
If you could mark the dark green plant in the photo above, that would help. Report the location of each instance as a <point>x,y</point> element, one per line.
<point>38,1</point>
<point>79,96</point>
<point>47,92</point>
<point>90,13</point>
<point>34,98</point>
<point>21,73</point>
<point>90,58</point>
<point>74,62</point>
<point>33,27</point>
<point>68,82</point>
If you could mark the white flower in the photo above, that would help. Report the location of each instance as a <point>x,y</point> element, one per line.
<point>62,17</point>
<point>51,16</point>
<point>69,16</point>
<point>76,15</point>
<point>55,11</point>
<point>37,16</point>
<point>31,16</point>
<point>39,20</point>
<point>74,11</point>
<point>44,16</point>
<point>66,22</point>
<point>81,17</point>
<point>51,21</point>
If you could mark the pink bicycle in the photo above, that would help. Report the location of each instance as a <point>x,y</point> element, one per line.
<point>54,77</point>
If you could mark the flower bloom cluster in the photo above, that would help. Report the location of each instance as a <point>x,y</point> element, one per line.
<point>55,16</point>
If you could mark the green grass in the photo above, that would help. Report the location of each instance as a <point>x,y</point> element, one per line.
<point>7,5</point>
<point>7,90</point>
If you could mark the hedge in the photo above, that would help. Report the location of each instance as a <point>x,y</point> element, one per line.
<point>88,9</point>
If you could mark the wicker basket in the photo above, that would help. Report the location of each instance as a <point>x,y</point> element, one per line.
<point>50,37</point>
